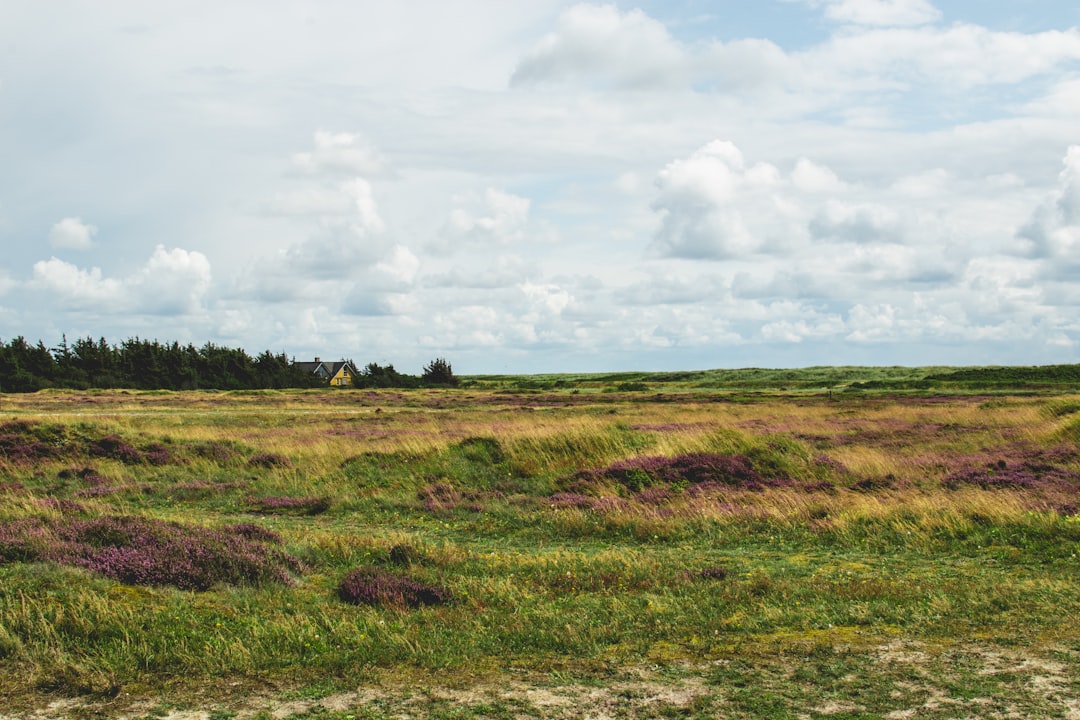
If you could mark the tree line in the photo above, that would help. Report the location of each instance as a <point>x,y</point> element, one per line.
<point>152,365</point>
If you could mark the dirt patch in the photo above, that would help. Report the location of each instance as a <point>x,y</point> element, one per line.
<point>911,679</point>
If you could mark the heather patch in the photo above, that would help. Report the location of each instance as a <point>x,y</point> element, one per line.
<point>218,451</point>
<point>1024,475</point>
<point>269,460</point>
<point>255,532</point>
<point>276,504</point>
<point>22,441</point>
<point>87,475</point>
<point>636,474</point>
<point>113,447</point>
<point>379,588</point>
<point>141,551</point>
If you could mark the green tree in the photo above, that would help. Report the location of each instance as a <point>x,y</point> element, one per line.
<point>439,372</point>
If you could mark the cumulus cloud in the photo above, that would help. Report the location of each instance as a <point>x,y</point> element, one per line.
<point>73,234</point>
<point>864,223</point>
<point>172,282</point>
<point>340,153</point>
<point>497,218</point>
<point>713,206</point>
<point>621,50</point>
<point>341,246</point>
<point>1053,231</point>
<point>958,56</point>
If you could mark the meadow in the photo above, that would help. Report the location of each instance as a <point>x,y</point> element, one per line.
<point>823,543</point>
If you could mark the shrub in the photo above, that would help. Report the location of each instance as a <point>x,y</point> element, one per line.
<point>113,447</point>
<point>637,474</point>
<point>142,551</point>
<point>255,532</point>
<point>269,460</point>
<point>378,588</point>
<point>24,441</point>
<point>215,450</point>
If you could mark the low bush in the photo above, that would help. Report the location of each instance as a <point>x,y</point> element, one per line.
<point>637,474</point>
<point>142,551</point>
<point>379,588</point>
<point>269,460</point>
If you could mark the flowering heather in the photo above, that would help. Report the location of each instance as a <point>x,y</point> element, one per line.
<point>1002,475</point>
<point>279,504</point>
<point>251,531</point>
<point>22,441</point>
<point>692,468</point>
<point>87,474</point>
<point>269,460</point>
<point>141,551</point>
<point>98,491</point>
<point>378,588</point>
<point>114,448</point>
<point>571,500</point>
<point>218,451</point>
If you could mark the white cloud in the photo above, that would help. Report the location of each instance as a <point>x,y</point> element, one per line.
<point>810,177</point>
<point>498,218</point>
<point>73,234</point>
<point>958,56</point>
<point>341,153</point>
<point>600,44</point>
<point>712,205</point>
<point>881,12</point>
<point>76,288</point>
<point>172,282</point>
<point>865,223</point>
<point>1053,231</point>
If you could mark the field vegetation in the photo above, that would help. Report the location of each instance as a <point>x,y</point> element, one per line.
<point>846,543</point>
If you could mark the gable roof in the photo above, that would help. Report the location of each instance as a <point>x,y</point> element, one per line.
<point>325,369</point>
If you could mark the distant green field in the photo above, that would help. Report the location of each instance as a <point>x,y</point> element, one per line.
<point>838,378</point>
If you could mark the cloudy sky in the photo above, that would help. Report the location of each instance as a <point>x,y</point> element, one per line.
<point>544,186</point>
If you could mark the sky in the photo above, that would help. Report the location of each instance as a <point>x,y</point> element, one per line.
<point>547,186</point>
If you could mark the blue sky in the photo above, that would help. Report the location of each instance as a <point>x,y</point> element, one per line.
<point>547,186</point>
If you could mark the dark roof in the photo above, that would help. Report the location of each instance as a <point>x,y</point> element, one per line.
<point>323,368</point>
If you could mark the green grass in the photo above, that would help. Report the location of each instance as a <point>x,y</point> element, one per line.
<point>835,598</point>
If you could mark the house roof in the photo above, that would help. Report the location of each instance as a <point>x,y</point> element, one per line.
<point>323,368</point>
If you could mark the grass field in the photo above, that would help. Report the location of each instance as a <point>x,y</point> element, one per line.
<point>680,546</point>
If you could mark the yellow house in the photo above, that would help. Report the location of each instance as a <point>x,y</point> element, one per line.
<point>335,374</point>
